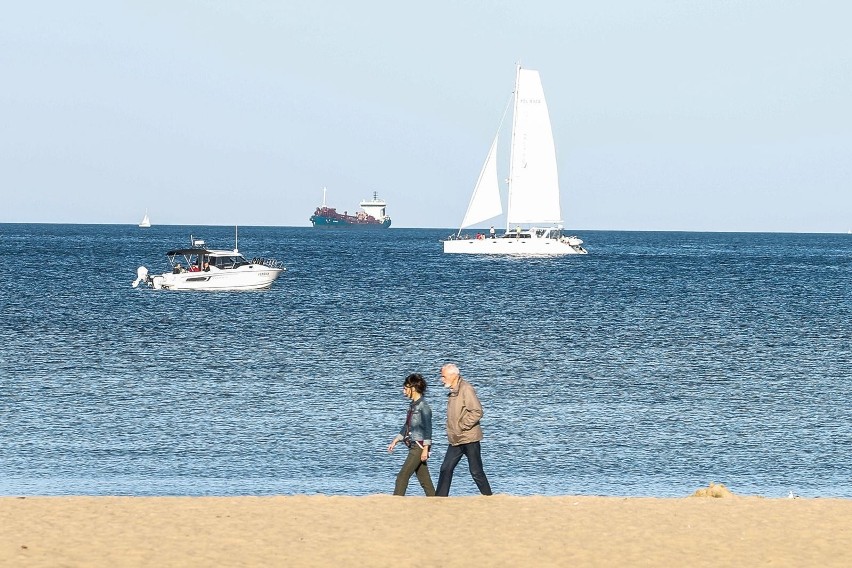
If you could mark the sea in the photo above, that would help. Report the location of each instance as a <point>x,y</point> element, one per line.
<point>653,366</point>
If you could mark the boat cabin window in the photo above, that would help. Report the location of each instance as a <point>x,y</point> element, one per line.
<point>227,262</point>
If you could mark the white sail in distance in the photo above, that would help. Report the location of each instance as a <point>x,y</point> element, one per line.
<point>485,201</point>
<point>533,178</point>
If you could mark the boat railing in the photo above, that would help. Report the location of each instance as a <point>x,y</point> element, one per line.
<point>267,262</point>
<point>479,236</point>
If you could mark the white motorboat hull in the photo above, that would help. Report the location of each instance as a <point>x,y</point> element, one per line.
<point>508,246</point>
<point>251,277</point>
<point>212,269</point>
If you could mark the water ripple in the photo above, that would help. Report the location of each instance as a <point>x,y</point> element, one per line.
<point>659,363</point>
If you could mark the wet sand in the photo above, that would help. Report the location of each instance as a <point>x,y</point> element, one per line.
<point>383,530</point>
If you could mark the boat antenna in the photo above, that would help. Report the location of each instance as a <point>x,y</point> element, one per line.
<point>236,248</point>
<point>323,197</point>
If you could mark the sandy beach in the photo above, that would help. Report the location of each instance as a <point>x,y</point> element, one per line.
<point>383,530</point>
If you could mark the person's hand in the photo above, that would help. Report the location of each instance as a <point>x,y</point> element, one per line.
<point>424,455</point>
<point>391,446</point>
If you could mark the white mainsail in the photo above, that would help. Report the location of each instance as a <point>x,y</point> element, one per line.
<point>485,201</point>
<point>533,178</point>
<point>146,222</point>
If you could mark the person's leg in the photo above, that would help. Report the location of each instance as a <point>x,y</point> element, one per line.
<point>412,461</point>
<point>425,479</point>
<point>474,462</point>
<point>445,476</point>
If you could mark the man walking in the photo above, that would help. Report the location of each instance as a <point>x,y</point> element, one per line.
<point>463,431</point>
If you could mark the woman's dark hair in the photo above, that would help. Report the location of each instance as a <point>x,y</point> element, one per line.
<point>416,381</point>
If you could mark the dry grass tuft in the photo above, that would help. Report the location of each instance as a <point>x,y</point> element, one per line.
<point>715,491</point>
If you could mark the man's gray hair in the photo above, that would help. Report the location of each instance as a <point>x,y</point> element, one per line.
<point>451,368</point>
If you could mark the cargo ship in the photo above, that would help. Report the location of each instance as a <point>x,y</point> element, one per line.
<point>372,215</point>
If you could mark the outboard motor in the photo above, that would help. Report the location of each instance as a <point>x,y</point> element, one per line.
<point>141,276</point>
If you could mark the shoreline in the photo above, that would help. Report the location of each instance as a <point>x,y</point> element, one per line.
<point>381,530</point>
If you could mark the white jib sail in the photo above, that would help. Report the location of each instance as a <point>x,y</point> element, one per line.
<point>534,181</point>
<point>485,201</point>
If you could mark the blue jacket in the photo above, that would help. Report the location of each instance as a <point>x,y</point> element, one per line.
<point>421,422</point>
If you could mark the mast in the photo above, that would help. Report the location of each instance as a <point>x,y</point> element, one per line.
<point>512,142</point>
<point>323,197</point>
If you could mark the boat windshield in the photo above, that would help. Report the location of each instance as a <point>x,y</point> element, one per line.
<point>185,257</point>
<point>228,262</point>
<point>548,233</point>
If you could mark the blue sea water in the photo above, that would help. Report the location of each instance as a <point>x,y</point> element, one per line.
<point>656,364</point>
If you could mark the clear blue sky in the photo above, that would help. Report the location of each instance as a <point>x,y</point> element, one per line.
<point>668,115</point>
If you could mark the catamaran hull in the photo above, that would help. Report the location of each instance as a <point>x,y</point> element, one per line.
<point>520,247</point>
<point>259,279</point>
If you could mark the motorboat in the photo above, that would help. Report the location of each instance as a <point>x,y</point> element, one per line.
<point>198,267</point>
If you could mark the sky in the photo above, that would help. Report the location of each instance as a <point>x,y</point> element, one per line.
<point>714,115</point>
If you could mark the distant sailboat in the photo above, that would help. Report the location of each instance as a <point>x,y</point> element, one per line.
<point>533,186</point>
<point>146,222</point>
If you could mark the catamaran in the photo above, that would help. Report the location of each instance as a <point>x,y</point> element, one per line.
<point>533,212</point>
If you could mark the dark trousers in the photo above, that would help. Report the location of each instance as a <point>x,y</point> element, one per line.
<point>414,465</point>
<point>474,461</point>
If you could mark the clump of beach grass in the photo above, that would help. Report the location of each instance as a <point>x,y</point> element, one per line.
<point>717,491</point>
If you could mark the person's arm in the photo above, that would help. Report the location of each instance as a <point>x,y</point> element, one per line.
<point>471,409</point>
<point>397,439</point>
<point>394,442</point>
<point>427,431</point>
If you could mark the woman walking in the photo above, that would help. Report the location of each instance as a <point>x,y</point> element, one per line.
<point>416,433</point>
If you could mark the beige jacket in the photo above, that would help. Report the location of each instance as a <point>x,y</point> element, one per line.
<point>463,414</point>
